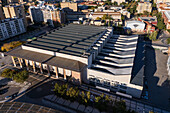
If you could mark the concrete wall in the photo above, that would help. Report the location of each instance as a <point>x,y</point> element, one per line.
<point>134,90</point>
<point>120,78</point>
<point>131,89</point>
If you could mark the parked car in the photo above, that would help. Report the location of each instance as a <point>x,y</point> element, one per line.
<point>11,96</point>
<point>8,97</point>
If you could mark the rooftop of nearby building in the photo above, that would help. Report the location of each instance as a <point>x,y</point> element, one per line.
<point>134,21</point>
<point>167,13</point>
<point>149,19</point>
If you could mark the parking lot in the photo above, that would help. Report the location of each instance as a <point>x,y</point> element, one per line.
<point>157,78</point>
<point>8,88</point>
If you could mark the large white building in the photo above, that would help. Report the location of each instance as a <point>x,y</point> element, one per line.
<point>89,54</point>
<point>11,27</point>
<point>135,25</point>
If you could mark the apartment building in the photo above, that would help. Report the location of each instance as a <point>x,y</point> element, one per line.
<point>2,17</point>
<point>36,14</point>
<point>89,54</point>
<point>144,6</point>
<point>70,5</point>
<point>114,15</point>
<point>163,6</point>
<point>162,1</point>
<point>150,22</point>
<point>11,27</point>
<point>51,16</point>
<point>166,16</point>
<point>15,11</point>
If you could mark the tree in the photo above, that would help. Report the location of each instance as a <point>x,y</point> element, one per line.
<point>160,23</point>
<point>21,76</point>
<point>8,73</point>
<point>154,5</point>
<point>109,24</point>
<point>146,13</point>
<point>9,46</point>
<point>108,2</point>
<point>122,17</point>
<point>153,36</point>
<point>88,95</point>
<point>119,107</point>
<point>98,18</point>
<point>115,3</point>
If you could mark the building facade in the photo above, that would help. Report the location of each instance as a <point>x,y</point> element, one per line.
<point>15,11</point>
<point>11,27</point>
<point>52,17</point>
<point>114,15</point>
<point>2,17</point>
<point>70,5</point>
<point>144,6</point>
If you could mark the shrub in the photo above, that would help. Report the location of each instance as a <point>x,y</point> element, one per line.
<point>168,41</point>
<point>17,76</point>
<point>8,73</point>
<point>153,36</point>
<point>21,76</point>
<point>9,46</point>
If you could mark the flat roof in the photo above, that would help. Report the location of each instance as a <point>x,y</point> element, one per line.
<point>73,38</point>
<point>167,13</point>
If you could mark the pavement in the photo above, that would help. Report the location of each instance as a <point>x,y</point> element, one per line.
<point>157,78</point>
<point>5,60</point>
<point>9,89</point>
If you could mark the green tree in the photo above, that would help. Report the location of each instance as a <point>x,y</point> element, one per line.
<point>115,3</point>
<point>88,95</point>
<point>109,24</point>
<point>119,107</point>
<point>98,18</point>
<point>8,73</point>
<point>146,13</point>
<point>9,46</point>
<point>153,36</point>
<point>160,23</point>
<point>21,76</point>
<point>154,5</point>
<point>122,17</point>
